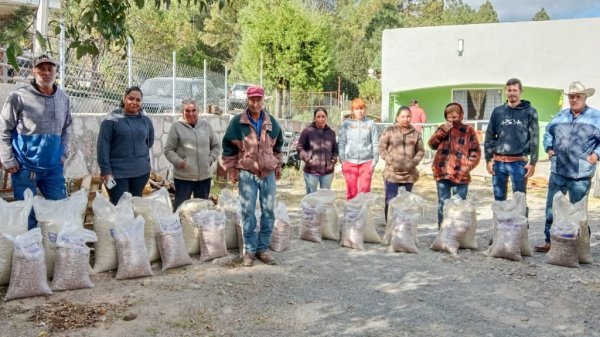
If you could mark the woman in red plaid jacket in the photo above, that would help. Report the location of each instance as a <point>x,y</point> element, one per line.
<point>458,152</point>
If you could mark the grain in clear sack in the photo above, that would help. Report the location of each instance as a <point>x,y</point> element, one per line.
<point>212,234</point>
<point>280,238</point>
<point>14,222</point>
<point>169,235</point>
<point>149,207</point>
<point>72,268</point>
<point>131,250</point>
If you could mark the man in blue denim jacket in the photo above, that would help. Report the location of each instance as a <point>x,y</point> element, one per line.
<point>572,141</point>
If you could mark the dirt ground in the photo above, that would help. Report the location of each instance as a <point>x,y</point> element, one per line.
<point>326,290</point>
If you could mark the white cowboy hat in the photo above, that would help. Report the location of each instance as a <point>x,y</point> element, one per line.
<point>577,87</point>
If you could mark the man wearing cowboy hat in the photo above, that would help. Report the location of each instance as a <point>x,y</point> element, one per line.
<point>572,141</point>
<point>35,128</point>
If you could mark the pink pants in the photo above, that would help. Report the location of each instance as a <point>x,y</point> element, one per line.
<point>358,178</point>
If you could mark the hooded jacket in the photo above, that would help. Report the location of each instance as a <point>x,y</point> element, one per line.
<point>359,141</point>
<point>243,149</point>
<point>513,132</point>
<point>35,129</point>
<point>573,140</point>
<point>458,152</point>
<point>402,150</point>
<point>197,145</point>
<point>318,148</point>
<point>124,143</point>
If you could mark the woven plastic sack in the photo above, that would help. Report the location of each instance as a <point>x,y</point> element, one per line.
<point>408,207</point>
<point>212,234</point>
<point>53,214</point>
<point>131,250</point>
<point>14,217</point>
<point>149,207</point>
<point>191,232</point>
<point>310,220</point>
<point>403,234</point>
<point>508,236</point>
<point>230,204</point>
<point>328,214</point>
<point>169,235</point>
<point>280,238</point>
<point>447,238</point>
<point>353,228</point>
<point>512,210</point>
<point>369,200</point>
<point>72,268</point>
<point>28,275</point>
<point>563,209</point>
<point>563,251</point>
<point>106,218</point>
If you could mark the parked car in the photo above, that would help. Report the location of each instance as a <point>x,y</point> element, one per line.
<point>237,96</point>
<point>158,93</point>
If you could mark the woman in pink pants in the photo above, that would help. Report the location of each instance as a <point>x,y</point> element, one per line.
<point>359,149</point>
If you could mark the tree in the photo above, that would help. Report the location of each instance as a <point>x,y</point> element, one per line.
<point>486,13</point>
<point>295,45</point>
<point>100,22</point>
<point>541,15</point>
<point>222,32</point>
<point>12,27</point>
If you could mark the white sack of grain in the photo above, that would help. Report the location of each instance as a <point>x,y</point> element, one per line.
<point>106,217</point>
<point>212,234</point>
<point>408,207</point>
<point>52,215</point>
<point>169,235</point>
<point>14,217</point>
<point>230,204</point>
<point>28,275</point>
<point>510,210</point>
<point>191,232</point>
<point>71,270</point>
<point>369,200</point>
<point>353,227</point>
<point>563,251</point>
<point>149,207</point>
<point>280,238</point>
<point>508,237</point>
<point>577,212</point>
<point>131,250</point>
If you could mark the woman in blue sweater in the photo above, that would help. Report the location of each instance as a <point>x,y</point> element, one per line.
<point>124,142</point>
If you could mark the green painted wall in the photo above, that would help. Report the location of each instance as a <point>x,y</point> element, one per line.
<point>433,100</point>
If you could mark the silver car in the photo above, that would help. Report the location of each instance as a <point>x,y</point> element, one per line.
<point>158,93</point>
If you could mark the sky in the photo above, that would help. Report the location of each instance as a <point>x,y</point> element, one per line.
<point>524,10</point>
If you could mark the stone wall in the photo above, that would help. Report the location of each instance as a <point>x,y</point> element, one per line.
<point>85,136</point>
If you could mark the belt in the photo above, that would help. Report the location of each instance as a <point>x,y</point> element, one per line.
<point>509,158</point>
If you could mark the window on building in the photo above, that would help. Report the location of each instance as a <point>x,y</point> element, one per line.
<point>478,103</point>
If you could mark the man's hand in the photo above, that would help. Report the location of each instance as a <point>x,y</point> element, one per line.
<point>550,153</point>
<point>446,126</point>
<point>278,173</point>
<point>181,164</point>
<point>592,158</point>
<point>490,167</point>
<point>529,170</point>
<point>233,175</point>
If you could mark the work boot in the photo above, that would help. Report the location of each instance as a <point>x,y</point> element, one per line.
<point>542,248</point>
<point>266,258</point>
<point>248,260</point>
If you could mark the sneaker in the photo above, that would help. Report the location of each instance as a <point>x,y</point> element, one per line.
<point>248,260</point>
<point>542,248</point>
<point>266,258</point>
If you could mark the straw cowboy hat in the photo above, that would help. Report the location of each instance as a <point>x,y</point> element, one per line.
<point>577,87</point>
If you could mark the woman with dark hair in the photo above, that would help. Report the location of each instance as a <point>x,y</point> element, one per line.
<point>458,153</point>
<point>359,149</point>
<point>401,147</point>
<point>124,141</point>
<point>318,149</point>
<point>192,147</point>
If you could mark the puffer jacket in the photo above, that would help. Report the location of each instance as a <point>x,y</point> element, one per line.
<point>358,141</point>
<point>197,145</point>
<point>402,150</point>
<point>244,150</point>
<point>458,152</point>
<point>573,140</point>
<point>317,148</point>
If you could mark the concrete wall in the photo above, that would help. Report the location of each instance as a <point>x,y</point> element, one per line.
<point>543,54</point>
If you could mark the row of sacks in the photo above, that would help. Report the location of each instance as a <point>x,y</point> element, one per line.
<point>127,237</point>
<point>570,233</point>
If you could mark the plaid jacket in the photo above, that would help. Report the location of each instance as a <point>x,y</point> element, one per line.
<point>458,152</point>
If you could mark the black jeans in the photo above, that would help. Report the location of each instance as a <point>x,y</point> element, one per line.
<point>134,185</point>
<point>185,188</point>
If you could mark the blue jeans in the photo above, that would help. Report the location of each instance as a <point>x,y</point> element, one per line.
<point>50,183</point>
<point>445,190</point>
<point>313,181</point>
<point>516,172</point>
<point>249,185</point>
<point>391,191</point>
<point>577,188</point>
<point>134,185</point>
<point>185,188</point>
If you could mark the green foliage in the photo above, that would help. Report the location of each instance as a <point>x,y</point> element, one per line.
<point>370,90</point>
<point>541,15</point>
<point>12,27</point>
<point>222,33</point>
<point>295,44</point>
<point>486,13</point>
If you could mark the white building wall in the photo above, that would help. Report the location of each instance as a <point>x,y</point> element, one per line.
<point>546,54</point>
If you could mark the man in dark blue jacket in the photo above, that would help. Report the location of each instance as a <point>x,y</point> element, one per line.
<point>572,141</point>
